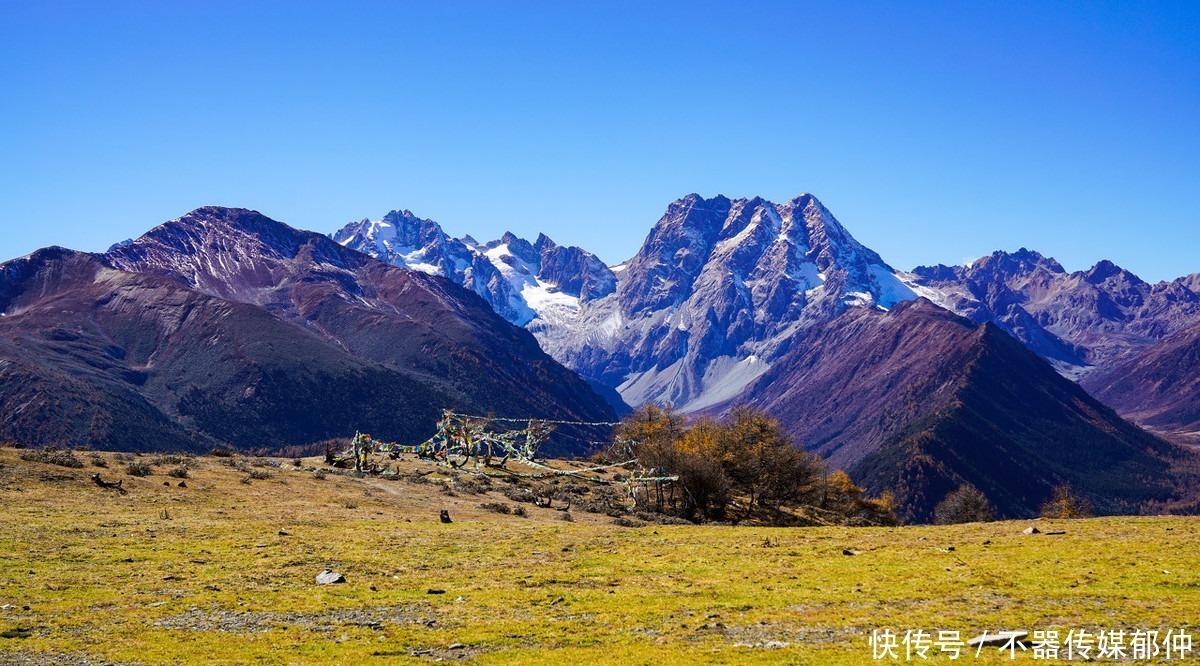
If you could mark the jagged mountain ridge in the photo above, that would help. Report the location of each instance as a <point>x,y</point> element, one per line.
<point>1081,322</point>
<point>382,325</point>
<point>517,278</point>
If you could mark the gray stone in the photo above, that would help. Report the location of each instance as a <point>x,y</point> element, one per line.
<point>330,577</point>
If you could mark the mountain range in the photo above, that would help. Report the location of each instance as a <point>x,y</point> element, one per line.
<point>226,327</point>
<point>722,288</point>
<point>914,381</point>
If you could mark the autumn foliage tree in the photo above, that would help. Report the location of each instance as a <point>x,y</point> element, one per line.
<point>742,467</point>
<point>1064,503</point>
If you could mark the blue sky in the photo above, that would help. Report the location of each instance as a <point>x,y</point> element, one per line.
<point>935,132</point>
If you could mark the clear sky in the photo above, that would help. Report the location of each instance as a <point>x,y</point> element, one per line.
<point>936,132</point>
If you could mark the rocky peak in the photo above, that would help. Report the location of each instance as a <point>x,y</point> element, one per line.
<point>662,271</point>
<point>938,273</point>
<point>543,243</point>
<point>717,289</point>
<point>517,247</point>
<point>1106,271</point>
<point>1002,266</point>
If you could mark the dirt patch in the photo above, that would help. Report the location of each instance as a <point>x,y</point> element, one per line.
<point>21,658</point>
<point>247,622</point>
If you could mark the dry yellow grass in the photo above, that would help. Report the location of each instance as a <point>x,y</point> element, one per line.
<point>223,572</point>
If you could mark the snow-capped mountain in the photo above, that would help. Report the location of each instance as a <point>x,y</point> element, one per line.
<point>521,280</point>
<point>721,288</point>
<point>405,240</point>
<point>718,291</point>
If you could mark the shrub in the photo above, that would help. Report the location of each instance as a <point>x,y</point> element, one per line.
<point>139,469</point>
<point>52,456</point>
<point>518,494</point>
<point>496,507</point>
<point>221,453</point>
<point>98,460</point>
<point>180,472</point>
<point>259,474</point>
<point>319,475</point>
<point>473,486</point>
<point>966,504</point>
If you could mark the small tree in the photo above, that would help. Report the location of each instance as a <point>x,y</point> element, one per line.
<point>966,504</point>
<point>1064,503</point>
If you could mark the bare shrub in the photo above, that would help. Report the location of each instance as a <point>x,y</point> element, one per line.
<point>319,475</point>
<point>139,469</point>
<point>473,485</point>
<point>52,456</point>
<point>180,472</point>
<point>234,463</point>
<point>98,460</point>
<point>496,507</point>
<point>221,453</point>
<point>966,504</point>
<point>260,474</point>
<point>518,494</point>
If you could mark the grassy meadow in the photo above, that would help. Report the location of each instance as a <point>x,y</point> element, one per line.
<point>222,571</point>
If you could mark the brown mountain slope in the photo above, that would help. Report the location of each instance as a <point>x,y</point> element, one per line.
<point>94,356</point>
<point>919,401</point>
<point>1159,389</point>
